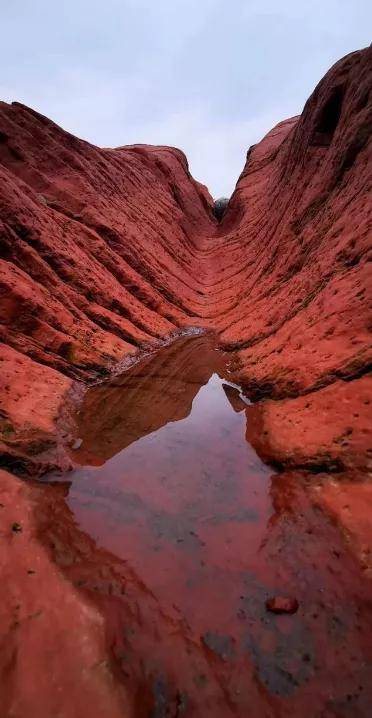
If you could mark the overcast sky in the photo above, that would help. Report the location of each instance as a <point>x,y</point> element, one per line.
<point>208,76</point>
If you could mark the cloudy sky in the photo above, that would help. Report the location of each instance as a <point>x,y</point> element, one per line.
<point>208,76</point>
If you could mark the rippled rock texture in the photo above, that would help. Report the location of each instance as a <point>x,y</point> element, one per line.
<point>294,291</point>
<point>106,254</point>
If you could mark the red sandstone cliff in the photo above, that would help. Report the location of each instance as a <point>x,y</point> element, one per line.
<point>291,286</point>
<point>99,259</point>
<point>300,227</point>
<point>105,252</point>
<point>99,246</point>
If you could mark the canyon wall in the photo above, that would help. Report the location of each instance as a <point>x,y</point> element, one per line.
<point>299,230</point>
<point>107,252</point>
<point>99,261</point>
<point>292,283</point>
<point>99,247</point>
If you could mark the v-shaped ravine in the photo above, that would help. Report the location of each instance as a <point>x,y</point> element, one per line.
<point>194,397</point>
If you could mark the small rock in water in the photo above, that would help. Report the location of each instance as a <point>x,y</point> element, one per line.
<point>282,604</point>
<point>77,444</point>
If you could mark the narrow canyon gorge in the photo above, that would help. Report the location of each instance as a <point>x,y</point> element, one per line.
<point>186,422</point>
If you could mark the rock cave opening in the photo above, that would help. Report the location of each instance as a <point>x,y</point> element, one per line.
<point>328,117</point>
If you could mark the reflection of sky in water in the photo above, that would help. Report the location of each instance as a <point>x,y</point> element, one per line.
<point>186,506</point>
<point>186,509</point>
<point>202,461</point>
<point>201,435</point>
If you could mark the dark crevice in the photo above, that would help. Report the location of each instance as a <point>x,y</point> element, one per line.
<point>324,466</point>
<point>220,207</point>
<point>328,118</point>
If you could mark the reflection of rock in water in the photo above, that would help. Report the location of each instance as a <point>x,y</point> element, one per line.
<point>233,395</point>
<point>157,390</point>
<point>172,666</point>
<point>182,539</point>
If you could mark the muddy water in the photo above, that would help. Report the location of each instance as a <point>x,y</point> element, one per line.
<point>187,533</point>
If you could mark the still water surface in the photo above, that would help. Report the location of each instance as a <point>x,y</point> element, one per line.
<point>187,497</point>
<point>191,533</point>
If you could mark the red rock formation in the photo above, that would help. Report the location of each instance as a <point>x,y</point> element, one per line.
<point>298,230</point>
<point>108,252</point>
<point>100,246</point>
<point>40,609</point>
<point>294,299</point>
<point>99,259</point>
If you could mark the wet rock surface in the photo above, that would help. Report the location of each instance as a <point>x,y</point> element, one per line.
<point>168,551</point>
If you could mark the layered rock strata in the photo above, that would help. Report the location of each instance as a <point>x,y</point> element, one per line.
<point>108,253</point>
